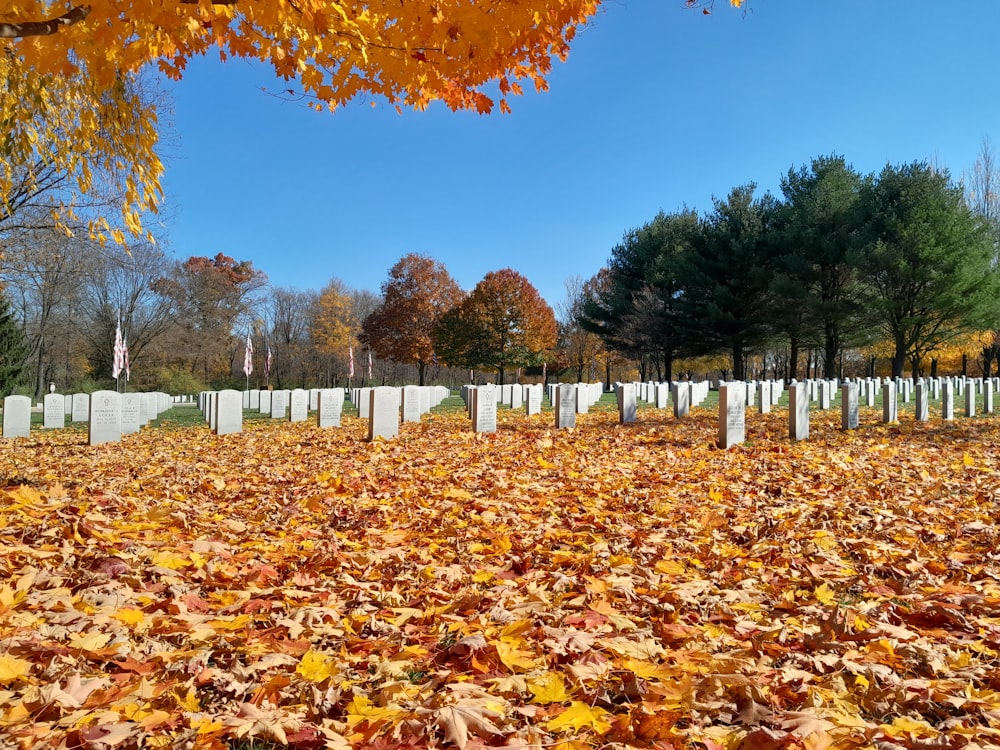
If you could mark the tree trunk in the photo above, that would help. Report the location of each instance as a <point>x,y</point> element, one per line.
<point>421,371</point>
<point>915,367</point>
<point>793,359</point>
<point>830,357</point>
<point>965,365</point>
<point>500,375</point>
<point>668,366</point>
<point>898,360</point>
<point>933,368</point>
<point>739,366</point>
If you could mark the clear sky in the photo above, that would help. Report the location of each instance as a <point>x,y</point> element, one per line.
<point>657,107</point>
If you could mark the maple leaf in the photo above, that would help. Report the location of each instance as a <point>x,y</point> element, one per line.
<point>12,668</point>
<point>317,667</point>
<point>459,720</point>
<point>580,716</point>
<point>548,688</point>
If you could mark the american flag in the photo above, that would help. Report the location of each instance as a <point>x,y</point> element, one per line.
<point>267,362</point>
<point>248,357</point>
<point>128,367</point>
<point>118,363</point>
<point>350,360</point>
<point>369,364</point>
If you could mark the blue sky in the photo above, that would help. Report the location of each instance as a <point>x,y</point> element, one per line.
<point>657,107</point>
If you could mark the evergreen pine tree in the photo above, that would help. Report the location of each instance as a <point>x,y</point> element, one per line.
<point>13,348</point>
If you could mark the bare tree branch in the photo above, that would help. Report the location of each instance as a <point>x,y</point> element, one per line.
<point>44,28</point>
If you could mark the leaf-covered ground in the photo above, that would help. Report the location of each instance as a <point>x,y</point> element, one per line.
<point>607,586</point>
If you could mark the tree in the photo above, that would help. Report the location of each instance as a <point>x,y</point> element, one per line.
<point>929,262</point>
<point>409,53</point>
<point>67,136</point>
<point>580,346</point>
<point>208,298</point>
<point>418,292</point>
<point>289,313</point>
<point>42,269</point>
<point>502,324</point>
<point>119,285</point>
<point>13,348</point>
<point>817,268</point>
<point>334,327</point>
<point>636,309</point>
<point>983,197</point>
<point>726,302</point>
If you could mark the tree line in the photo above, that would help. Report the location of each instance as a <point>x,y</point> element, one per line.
<point>842,265</point>
<point>844,268</point>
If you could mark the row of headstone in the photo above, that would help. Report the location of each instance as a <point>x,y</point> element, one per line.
<point>108,414</point>
<point>734,398</point>
<point>482,402</point>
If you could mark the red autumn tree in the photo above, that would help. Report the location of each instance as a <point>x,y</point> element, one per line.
<point>418,292</point>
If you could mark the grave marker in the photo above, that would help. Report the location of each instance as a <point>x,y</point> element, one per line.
<point>484,408</point>
<point>329,407</point>
<point>228,405</point>
<point>54,411</point>
<point>105,422</point>
<point>16,416</point>
<point>565,406</point>
<point>383,412</point>
<point>732,414</point>
<point>130,413</point>
<point>798,412</point>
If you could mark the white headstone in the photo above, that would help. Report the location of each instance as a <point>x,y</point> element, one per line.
<point>105,422</point>
<point>54,411</point>
<point>330,406</point>
<point>279,404</point>
<point>298,405</point>
<point>732,414</point>
<point>849,406</point>
<point>947,399</point>
<point>625,393</point>
<point>411,403</point>
<point>565,406</point>
<point>484,409</point>
<point>798,412</point>
<point>682,399</point>
<point>970,399</point>
<point>81,407</point>
<point>921,410</point>
<point>533,399</point>
<point>766,393</point>
<point>383,412</point>
<point>890,404</point>
<point>228,412</point>
<point>130,413</point>
<point>264,402</point>
<point>16,416</point>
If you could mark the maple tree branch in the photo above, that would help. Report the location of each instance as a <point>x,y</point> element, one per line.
<point>44,28</point>
<point>75,15</point>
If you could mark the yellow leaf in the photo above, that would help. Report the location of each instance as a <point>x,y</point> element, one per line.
<point>91,641</point>
<point>904,726</point>
<point>316,666</point>
<point>130,617</point>
<point>171,560</point>
<point>512,656</point>
<point>580,716</point>
<point>548,688</point>
<point>12,668</point>
<point>669,567</point>
<point>824,594</point>
<point>967,459</point>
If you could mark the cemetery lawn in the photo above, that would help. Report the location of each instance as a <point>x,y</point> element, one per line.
<point>607,586</point>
